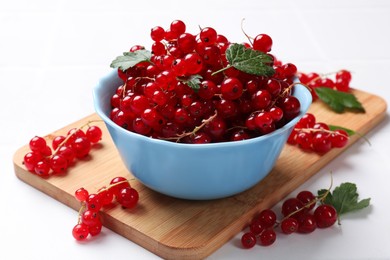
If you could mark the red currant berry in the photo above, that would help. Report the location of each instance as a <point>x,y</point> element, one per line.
<point>90,218</point>
<point>186,42</point>
<point>194,63</point>
<point>96,229</point>
<point>307,197</point>
<point>325,215</point>
<point>248,240</point>
<point>321,142</point>
<point>292,205</point>
<point>208,36</point>
<point>37,144</point>
<point>267,217</point>
<point>80,232</point>
<point>267,237</point>
<point>58,163</point>
<point>68,153</point>
<point>94,202</point>
<point>117,184</point>
<point>31,159</point>
<point>344,75</point>
<point>42,168</point>
<point>178,27</point>
<point>106,196</point>
<point>303,139</point>
<point>57,141</point>
<point>256,227</point>
<point>207,89</point>
<point>290,106</point>
<point>157,33</point>
<point>263,43</point>
<point>289,225</point>
<point>128,197</point>
<point>339,138</point>
<point>307,223</point>
<point>81,147</point>
<point>261,99</point>
<point>231,88</point>
<point>94,134</point>
<point>81,194</point>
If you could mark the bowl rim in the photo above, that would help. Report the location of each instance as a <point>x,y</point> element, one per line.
<point>97,103</point>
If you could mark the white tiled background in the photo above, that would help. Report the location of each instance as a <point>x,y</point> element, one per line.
<point>53,52</point>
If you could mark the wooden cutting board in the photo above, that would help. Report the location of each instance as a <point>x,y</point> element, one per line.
<point>182,229</point>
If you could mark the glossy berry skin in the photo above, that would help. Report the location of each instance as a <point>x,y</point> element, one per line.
<point>42,168</point>
<point>81,147</point>
<point>231,88</point>
<point>81,194</point>
<point>31,159</point>
<point>325,215</point>
<point>339,138</point>
<point>292,205</point>
<point>94,134</point>
<point>267,217</point>
<point>263,43</point>
<point>267,237</point>
<point>128,197</point>
<point>115,187</point>
<point>307,198</point>
<point>307,223</point>
<point>80,232</point>
<point>58,163</point>
<point>90,218</point>
<point>95,229</point>
<point>248,240</point>
<point>256,227</point>
<point>93,202</point>
<point>289,225</point>
<point>37,144</point>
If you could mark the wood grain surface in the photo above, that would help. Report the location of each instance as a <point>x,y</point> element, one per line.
<point>181,229</point>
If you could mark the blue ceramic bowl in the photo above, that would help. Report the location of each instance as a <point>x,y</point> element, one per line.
<point>195,171</point>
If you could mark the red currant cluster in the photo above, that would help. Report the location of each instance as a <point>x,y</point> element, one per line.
<point>316,136</point>
<point>158,98</point>
<point>44,160</point>
<point>298,216</point>
<point>340,82</point>
<point>89,221</point>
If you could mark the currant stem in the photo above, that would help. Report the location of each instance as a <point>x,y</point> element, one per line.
<point>308,130</point>
<point>81,210</point>
<point>246,35</point>
<point>221,70</point>
<point>196,129</point>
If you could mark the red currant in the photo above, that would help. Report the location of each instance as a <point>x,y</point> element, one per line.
<point>248,240</point>
<point>325,215</point>
<point>289,225</point>
<point>267,237</point>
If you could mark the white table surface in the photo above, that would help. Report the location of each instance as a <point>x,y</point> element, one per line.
<point>53,52</point>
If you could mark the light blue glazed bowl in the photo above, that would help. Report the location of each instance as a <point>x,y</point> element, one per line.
<point>195,171</point>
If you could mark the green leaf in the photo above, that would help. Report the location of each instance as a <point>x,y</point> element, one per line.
<point>130,59</point>
<point>336,127</point>
<point>193,82</point>
<point>345,198</point>
<point>249,60</point>
<point>339,101</point>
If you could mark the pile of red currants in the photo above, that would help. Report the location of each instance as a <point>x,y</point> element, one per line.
<point>89,222</point>
<point>189,92</point>
<point>310,135</point>
<point>301,214</point>
<point>44,160</point>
